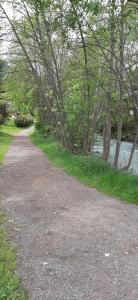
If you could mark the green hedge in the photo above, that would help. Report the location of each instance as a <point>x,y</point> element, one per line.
<point>23,122</point>
<point>3,112</point>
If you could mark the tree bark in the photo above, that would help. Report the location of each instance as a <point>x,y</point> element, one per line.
<point>121,88</point>
<point>87,128</point>
<point>107,129</point>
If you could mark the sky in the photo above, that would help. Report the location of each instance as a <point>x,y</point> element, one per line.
<point>5,44</point>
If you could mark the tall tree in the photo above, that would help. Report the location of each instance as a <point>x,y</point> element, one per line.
<point>108,122</point>
<point>121,81</point>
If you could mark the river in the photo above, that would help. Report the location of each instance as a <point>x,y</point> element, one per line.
<point>124,154</point>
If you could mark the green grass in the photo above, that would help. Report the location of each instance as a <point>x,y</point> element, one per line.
<point>7,132</point>
<point>90,170</point>
<point>9,283</point>
<point>5,140</point>
<point>10,128</point>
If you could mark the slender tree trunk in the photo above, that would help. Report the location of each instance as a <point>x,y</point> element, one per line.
<point>121,88</point>
<point>107,129</point>
<point>87,127</point>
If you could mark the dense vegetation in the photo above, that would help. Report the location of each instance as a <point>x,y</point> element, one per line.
<point>23,122</point>
<point>73,66</point>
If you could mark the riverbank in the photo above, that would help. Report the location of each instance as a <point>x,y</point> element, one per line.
<point>90,170</point>
<point>125,150</point>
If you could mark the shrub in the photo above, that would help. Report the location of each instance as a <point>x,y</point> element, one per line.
<point>3,112</point>
<point>43,128</point>
<point>38,125</point>
<point>23,121</point>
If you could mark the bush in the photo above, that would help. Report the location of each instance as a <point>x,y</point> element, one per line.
<point>3,112</point>
<point>23,121</point>
<point>43,128</point>
<point>38,125</point>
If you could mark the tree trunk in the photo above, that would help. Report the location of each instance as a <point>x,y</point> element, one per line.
<point>107,129</point>
<point>121,89</point>
<point>87,127</point>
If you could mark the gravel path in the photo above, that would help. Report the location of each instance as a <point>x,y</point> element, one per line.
<point>73,243</point>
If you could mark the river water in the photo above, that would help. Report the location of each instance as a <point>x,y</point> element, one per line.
<point>124,154</point>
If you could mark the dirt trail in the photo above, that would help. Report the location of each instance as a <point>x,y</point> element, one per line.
<point>73,243</point>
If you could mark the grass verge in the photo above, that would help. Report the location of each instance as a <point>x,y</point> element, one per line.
<point>9,283</point>
<point>90,170</point>
<point>7,132</point>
